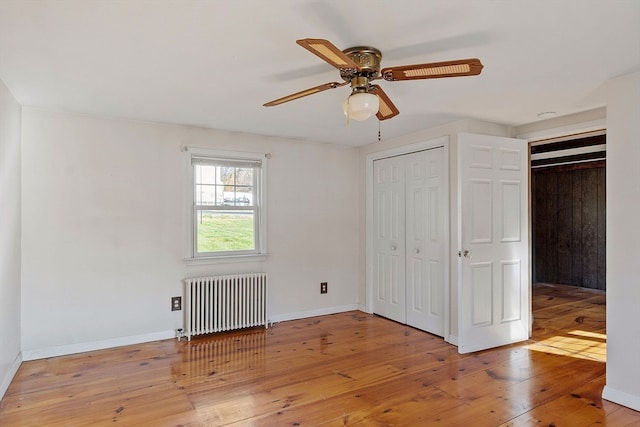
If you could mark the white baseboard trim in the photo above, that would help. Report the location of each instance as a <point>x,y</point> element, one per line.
<point>6,381</point>
<point>63,350</point>
<point>363,308</point>
<point>621,398</point>
<point>312,313</point>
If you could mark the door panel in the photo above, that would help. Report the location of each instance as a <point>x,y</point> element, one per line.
<point>389,242</point>
<point>425,240</point>
<point>494,303</point>
<point>511,308</point>
<point>511,227</point>
<point>482,293</point>
<point>481,212</point>
<point>415,189</point>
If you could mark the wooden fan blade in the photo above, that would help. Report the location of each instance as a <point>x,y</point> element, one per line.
<point>434,70</point>
<point>329,53</point>
<point>303,93</point>
<point>386,110</point>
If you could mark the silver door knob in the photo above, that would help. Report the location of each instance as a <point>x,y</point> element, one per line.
<point>393,248</point>
<point>416,251</point>
<point>465,254</point>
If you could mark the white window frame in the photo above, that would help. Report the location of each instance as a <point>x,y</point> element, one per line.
<point>260,252</point>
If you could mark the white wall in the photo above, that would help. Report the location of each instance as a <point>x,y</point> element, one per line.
<point>571,124</point>
<point>104,221</point>
<point>623,237</point>
<point>10,357</point>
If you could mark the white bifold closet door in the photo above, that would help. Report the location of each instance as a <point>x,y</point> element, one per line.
<point>408,243</point>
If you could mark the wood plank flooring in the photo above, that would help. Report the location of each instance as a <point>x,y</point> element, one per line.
<point>348,369</point>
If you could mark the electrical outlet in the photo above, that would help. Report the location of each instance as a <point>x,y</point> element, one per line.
<point>176,303</point>
<point>323,287</point>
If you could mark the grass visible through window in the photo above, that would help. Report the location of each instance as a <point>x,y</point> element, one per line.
<point>225,232</point>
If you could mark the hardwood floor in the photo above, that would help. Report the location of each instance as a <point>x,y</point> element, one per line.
<point>350,369</point>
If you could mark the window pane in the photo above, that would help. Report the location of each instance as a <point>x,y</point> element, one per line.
<point>244,176</point>
<point>219,231</point>
<point>223,185</point>
<point>208,187</point>
<point>239,196</point>
<point>206,194</point>
<point>206,174</point>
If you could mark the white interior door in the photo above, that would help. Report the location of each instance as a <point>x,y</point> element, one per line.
<point>389,239</point>
<point>408,244</point>
<point>494,301</point>
<point>425,236</point>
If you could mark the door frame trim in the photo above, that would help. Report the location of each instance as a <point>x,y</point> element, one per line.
<point>442,141</point>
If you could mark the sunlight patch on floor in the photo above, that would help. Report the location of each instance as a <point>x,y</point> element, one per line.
<point>579,344</point>
<point>588,334</point>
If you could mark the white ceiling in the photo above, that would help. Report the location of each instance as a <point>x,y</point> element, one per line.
<point>214,63</point>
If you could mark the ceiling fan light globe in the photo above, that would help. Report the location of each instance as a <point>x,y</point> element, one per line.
<point>361,106</point>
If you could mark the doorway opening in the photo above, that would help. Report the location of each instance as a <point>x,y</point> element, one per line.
<point>568,211</point>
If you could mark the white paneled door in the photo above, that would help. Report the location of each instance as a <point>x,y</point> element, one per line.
<point>494,301</point>
<point>389,239</point>
<point>408,242</point>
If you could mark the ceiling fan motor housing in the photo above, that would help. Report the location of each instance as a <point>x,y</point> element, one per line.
<point>367,58</point>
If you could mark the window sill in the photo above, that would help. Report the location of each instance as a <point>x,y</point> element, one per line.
<point>226,259</point>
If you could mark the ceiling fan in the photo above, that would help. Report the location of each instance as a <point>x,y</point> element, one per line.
<point>360,65</point>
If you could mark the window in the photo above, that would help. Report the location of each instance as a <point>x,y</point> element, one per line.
<point>226,205</point>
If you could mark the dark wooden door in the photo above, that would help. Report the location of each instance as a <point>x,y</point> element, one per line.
<point>568,225</point>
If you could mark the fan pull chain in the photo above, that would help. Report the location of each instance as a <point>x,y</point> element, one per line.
<point>379,131</point>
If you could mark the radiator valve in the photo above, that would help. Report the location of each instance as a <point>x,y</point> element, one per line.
<point>179,333</point>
